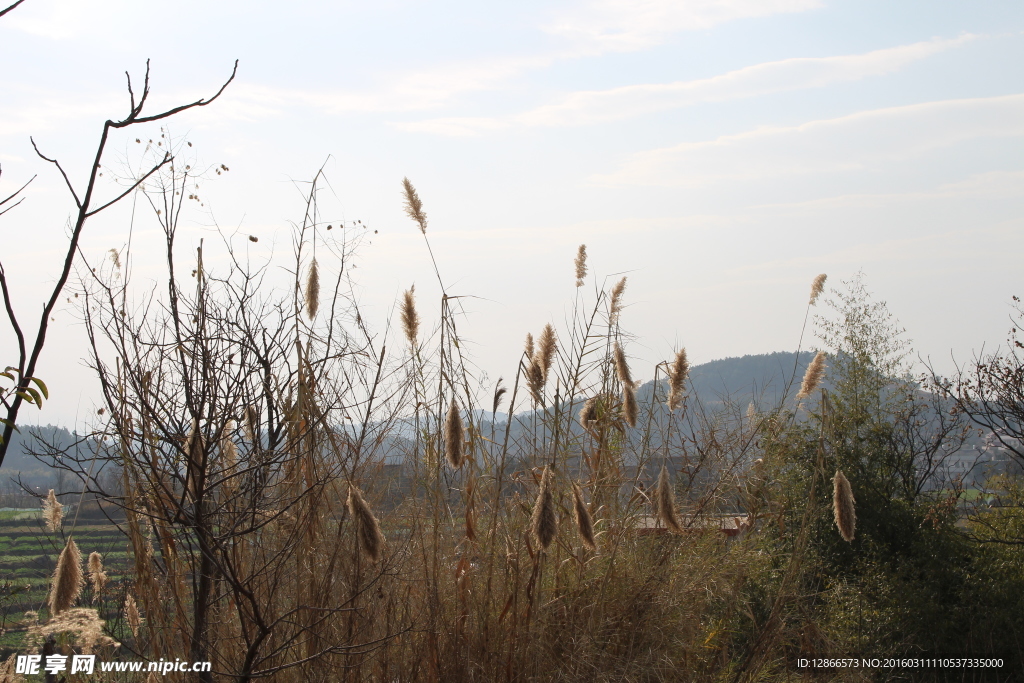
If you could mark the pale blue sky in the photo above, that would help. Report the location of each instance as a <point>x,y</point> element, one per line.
<point>722,153</point>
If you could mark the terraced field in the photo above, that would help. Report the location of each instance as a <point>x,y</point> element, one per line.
<point>28,554</point>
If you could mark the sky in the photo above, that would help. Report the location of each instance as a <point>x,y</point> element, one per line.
<point>718,153</point>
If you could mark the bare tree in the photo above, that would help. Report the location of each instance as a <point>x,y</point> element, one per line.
<point>27,388</point>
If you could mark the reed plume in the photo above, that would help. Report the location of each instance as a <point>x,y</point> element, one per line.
<point>817,287</point>
<point>584,522</point>
<point>630,408</point>
<point>454,437</point>
<point>581,265</point>
<point>313,290</point>
<point>67,579</point>
<point>370,536</point>
<point>131,615</point>
<point>53,512</point>
<point>543,523</point>
<point>844,506</point>
<point>677,374</point>
<point>499,391</point>
<point>665,502</point>
<point>413,205</point>
<point>588,413</point>
<point>621,366</point>
<point>546,350</point>
<point>813,376</point>
<point>227,446</point>
<point>616,304</point>
<point>528,350</point>
<point>410,318</point>
<point>252,422</point>
<point>97,576</point>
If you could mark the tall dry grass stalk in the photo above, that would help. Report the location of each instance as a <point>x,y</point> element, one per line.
<point>581,265</point>
<point>252,421</point>
<point>410,318</point>
<point>414,206</point>
<point>677,374</point>
<point>546,347</point>
<point>81,626</point>
<point>66,585</point>
<point>370,536</point>
<point>454,437</point>
<point>844,506</point>
<point>313,290</point>
<point>621,366</point>
<point>665,502</point>
<point>97,576</point>
<point>813,376</point>
<point>584,522</point>
<point>53,512</point>
<point>131,615</point>
<point>615,308</point>
<point>543,523</point>
<point>630,407</point>
<point>817,287</point>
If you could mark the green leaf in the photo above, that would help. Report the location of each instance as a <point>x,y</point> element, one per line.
<point>8,422</point>
<point>25,397</point>
<point>7,375</point>
<point>35,395</point>
<point>42,386</point>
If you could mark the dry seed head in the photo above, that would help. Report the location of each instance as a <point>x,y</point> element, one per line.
<point>53,512</point>
<point>817,287</point>
<point>630,408</point>
<point>812,377</point>
<point>677,374</point>
<point>535,379</point>
<point>581,265</point>
<point>546,350</point>
<point>131,615</point>
<point>844,506</point>
<point>621,366</point>
<point>410,318</point>
<point>528,349</point>
<point>454,437</point>
<point>252,422</point>
<point>413,205</point>
<point>616,303</point>
<point>584,522</point>
<point>543,523</point>
<point>313,290</point>
<point>665,502</point>
<point>588,413</point>
<point>227,446</point>
<point>67,579</point>
<point>370,536</point>
<point>499,391</point>
<point>81,626</point>
<point>95,562</point>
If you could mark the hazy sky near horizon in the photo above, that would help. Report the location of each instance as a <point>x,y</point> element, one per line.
<point>720,153</point>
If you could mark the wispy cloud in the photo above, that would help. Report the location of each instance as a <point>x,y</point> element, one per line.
<point>599,106</point>
<point>628,25</point>
<point>857,141</point>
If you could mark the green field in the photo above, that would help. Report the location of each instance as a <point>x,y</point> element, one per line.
<point>28,554</point>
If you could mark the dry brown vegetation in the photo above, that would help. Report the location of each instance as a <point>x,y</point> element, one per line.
<point>307,500</point>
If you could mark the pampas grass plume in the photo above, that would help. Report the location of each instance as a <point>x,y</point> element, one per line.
<point>313,290</point>
<point>630,408</point>
<point>547,346</point>
<point>410,318</point>
<point>813,375</point>
<point>370,536</point>
<point>817,287</point>
<point>543,523</point>
<point>581,265</point>
<point>252,423</point>
<point>454,437</point>
<point>96,574</point>
<point>67,579</point>
<point>131,615</point>
<point>844,506</point>
<point>616,303</point>
<point>584,522</point>
<point>621,366</point>
<point>588,413</point>
<point>665,502</point>
<point>677,374</point>
<point>53,511</point>
<point>413,205</point>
